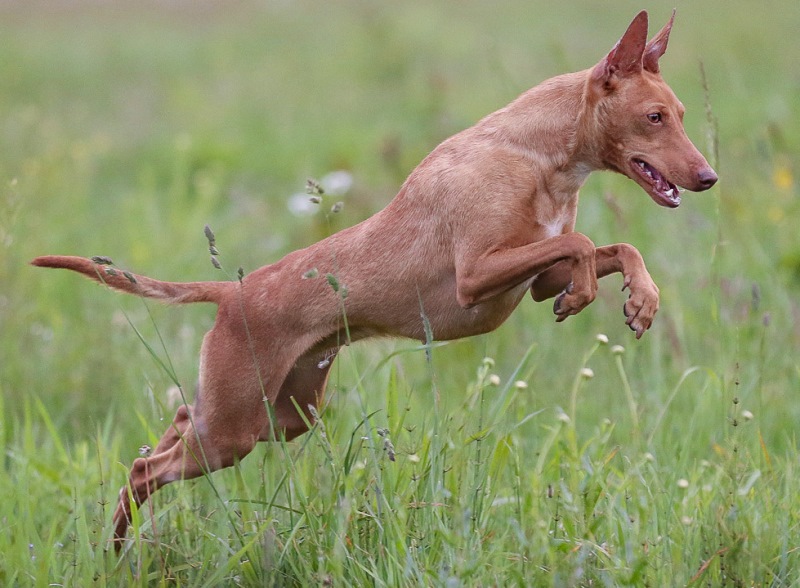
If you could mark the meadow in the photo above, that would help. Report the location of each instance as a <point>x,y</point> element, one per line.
<point>541,454</point>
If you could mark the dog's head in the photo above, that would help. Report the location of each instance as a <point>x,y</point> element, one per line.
<point>639,120</point>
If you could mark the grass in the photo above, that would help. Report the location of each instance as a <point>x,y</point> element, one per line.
<point>535,455</point>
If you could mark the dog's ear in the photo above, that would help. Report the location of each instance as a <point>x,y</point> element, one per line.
<point>626,56</point>
<point>657,46</point>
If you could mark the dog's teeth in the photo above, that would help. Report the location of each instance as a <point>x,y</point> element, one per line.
<point>670,193</point>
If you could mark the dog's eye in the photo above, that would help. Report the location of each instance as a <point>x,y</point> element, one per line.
<point>654,117</point>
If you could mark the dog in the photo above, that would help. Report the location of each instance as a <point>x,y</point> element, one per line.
<point>486,217</point>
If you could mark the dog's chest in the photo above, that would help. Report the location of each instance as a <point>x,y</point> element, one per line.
<point>557,223</point>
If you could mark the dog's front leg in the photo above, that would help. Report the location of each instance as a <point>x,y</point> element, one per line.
<point>642,303</point>
<point>496,271</point>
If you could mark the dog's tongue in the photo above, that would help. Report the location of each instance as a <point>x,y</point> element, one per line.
<point>665,188</point>
<point>662,185</point>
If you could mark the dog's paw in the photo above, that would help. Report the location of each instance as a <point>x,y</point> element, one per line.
<point>641,306</point>
<point>571,301</point>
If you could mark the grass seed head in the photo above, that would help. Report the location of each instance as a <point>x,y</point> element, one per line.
<point>333,282</point>
<point>314,188</point>
<point>209,235</point>
<point>388,447</point>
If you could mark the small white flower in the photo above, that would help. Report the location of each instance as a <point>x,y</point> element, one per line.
<point>587,373</point>
<point>494,380</point>
<point>617,350</point>
<point>174,396</point>
<point>683,483</point>
<point>747,415</point>
<point>563,417</point>
<point>601,338</point>
<point>520,384</point>
<point>337,183</point>
<point>488,361</point>
<point>413,458</point>
<point>300,204</point>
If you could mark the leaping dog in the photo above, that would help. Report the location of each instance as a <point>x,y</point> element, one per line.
<point>486,217</point>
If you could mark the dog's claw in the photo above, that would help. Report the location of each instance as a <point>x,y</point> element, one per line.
<point>559,299</point>
<point>557,304</point>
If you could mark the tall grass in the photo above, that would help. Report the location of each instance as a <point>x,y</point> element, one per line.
<point>541,454</point>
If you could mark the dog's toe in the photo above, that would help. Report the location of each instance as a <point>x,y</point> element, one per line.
<point>558,303</point>
<point>638,315</point>
<point>571,302</point>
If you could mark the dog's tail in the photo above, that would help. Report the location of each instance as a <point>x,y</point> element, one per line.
<point>100,269</point>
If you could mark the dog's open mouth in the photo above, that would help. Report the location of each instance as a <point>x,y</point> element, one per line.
<point>660,189</point>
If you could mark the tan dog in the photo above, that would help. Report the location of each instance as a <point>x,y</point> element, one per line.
<point>486,217</point>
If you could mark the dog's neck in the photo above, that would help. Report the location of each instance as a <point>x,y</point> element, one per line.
<point>545,124</point>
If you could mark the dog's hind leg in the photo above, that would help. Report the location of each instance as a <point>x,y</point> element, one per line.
<point>193,445</point>
<point>222,427</point>
<point>177,447</point>
<point>302,390</point>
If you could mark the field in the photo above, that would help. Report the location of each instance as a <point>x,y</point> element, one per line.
<point>542,454</point>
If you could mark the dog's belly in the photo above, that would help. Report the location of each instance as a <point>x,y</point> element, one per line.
<point>451,321</point>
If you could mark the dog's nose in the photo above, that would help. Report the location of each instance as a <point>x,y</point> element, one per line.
<point>706,178</point>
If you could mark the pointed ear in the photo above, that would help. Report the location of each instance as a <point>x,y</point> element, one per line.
<point>626,56</point>
<point>657,46</point>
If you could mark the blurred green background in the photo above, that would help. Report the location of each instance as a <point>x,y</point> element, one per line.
<point>127,127</point>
